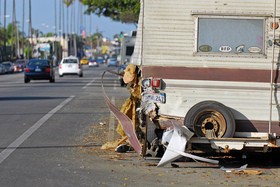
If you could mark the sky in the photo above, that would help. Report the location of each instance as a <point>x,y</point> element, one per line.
<point>43,18</point>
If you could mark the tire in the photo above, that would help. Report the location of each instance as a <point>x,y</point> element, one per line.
<point>122,82</point>
<point>52,80</point>
<point>26,80</point>
<point>81,75</point>
<point>61,75</point>
<point>208,115</point>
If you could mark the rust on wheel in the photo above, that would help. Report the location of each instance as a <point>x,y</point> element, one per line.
<point>210,116</point>
<point>210,120</point>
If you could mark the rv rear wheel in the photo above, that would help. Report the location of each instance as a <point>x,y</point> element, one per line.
<point>210,116</point>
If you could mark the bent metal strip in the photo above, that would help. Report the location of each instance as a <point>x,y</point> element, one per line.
<point>125,121</point>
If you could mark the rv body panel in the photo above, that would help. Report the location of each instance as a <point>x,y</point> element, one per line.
<point>176,42</point>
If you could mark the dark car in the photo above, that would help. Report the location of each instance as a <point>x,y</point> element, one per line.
<point>39,69</point>
<point>99,59</point>
<point>92,63</point>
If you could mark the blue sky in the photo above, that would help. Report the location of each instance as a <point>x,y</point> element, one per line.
<point>43,18</point>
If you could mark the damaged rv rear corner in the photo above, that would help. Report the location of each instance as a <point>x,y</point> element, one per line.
<point>211,67</point>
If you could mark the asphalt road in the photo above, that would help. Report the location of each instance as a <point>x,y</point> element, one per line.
<point>42,123</point>
<point>43,127</point>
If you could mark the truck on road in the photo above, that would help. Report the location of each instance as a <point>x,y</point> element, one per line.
<point>127,47</point>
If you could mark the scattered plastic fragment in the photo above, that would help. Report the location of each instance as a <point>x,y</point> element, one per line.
<point>228,170</point>
<point>242,170</point>
<point>177,145</point>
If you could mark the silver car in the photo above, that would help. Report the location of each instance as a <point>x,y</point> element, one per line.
<point>9,67</point>
<point>2,69</point>
<point>70,66</point>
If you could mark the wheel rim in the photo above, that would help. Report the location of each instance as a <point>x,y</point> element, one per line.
<point>210,120</point>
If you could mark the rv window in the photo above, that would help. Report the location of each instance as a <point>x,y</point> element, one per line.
<point>228,35</point>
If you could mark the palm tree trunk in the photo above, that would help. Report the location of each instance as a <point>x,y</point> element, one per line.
<point>23,14</point>
<point>30,31</point>
<point>55,22</point>
<point>63,26</point>
<point>17,38</point>
<point>5,36</point>
<point>13,47</point>
<point>74,28</point>
<point>59,23</point>
<point>55,35</point>
<point>0,12</point>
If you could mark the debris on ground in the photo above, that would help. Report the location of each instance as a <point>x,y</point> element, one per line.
<point>242,170</point>
<point>228,170</point>
<point>123,148</point>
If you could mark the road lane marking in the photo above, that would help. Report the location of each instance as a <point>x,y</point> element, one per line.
<point>115,85</point>
<point>13,146</point>
<point>88,84</point>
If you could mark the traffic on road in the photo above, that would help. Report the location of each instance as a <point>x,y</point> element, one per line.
<point>42,127</point>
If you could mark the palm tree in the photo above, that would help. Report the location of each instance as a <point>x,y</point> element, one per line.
<point>67,3</point>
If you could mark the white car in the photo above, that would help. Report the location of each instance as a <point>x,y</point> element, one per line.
<point>70,66</point>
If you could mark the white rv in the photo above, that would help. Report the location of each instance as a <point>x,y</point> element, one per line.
<point>212,66</point>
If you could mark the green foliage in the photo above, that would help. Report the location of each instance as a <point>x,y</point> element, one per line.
<point>96,38</point>
<point>28,51</point>
<point>125,11</point>
<point>2,33</point>
<point>49,34</point>
<point>68,2</point>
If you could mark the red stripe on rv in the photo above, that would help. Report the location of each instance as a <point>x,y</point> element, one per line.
<point>211,74</point>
